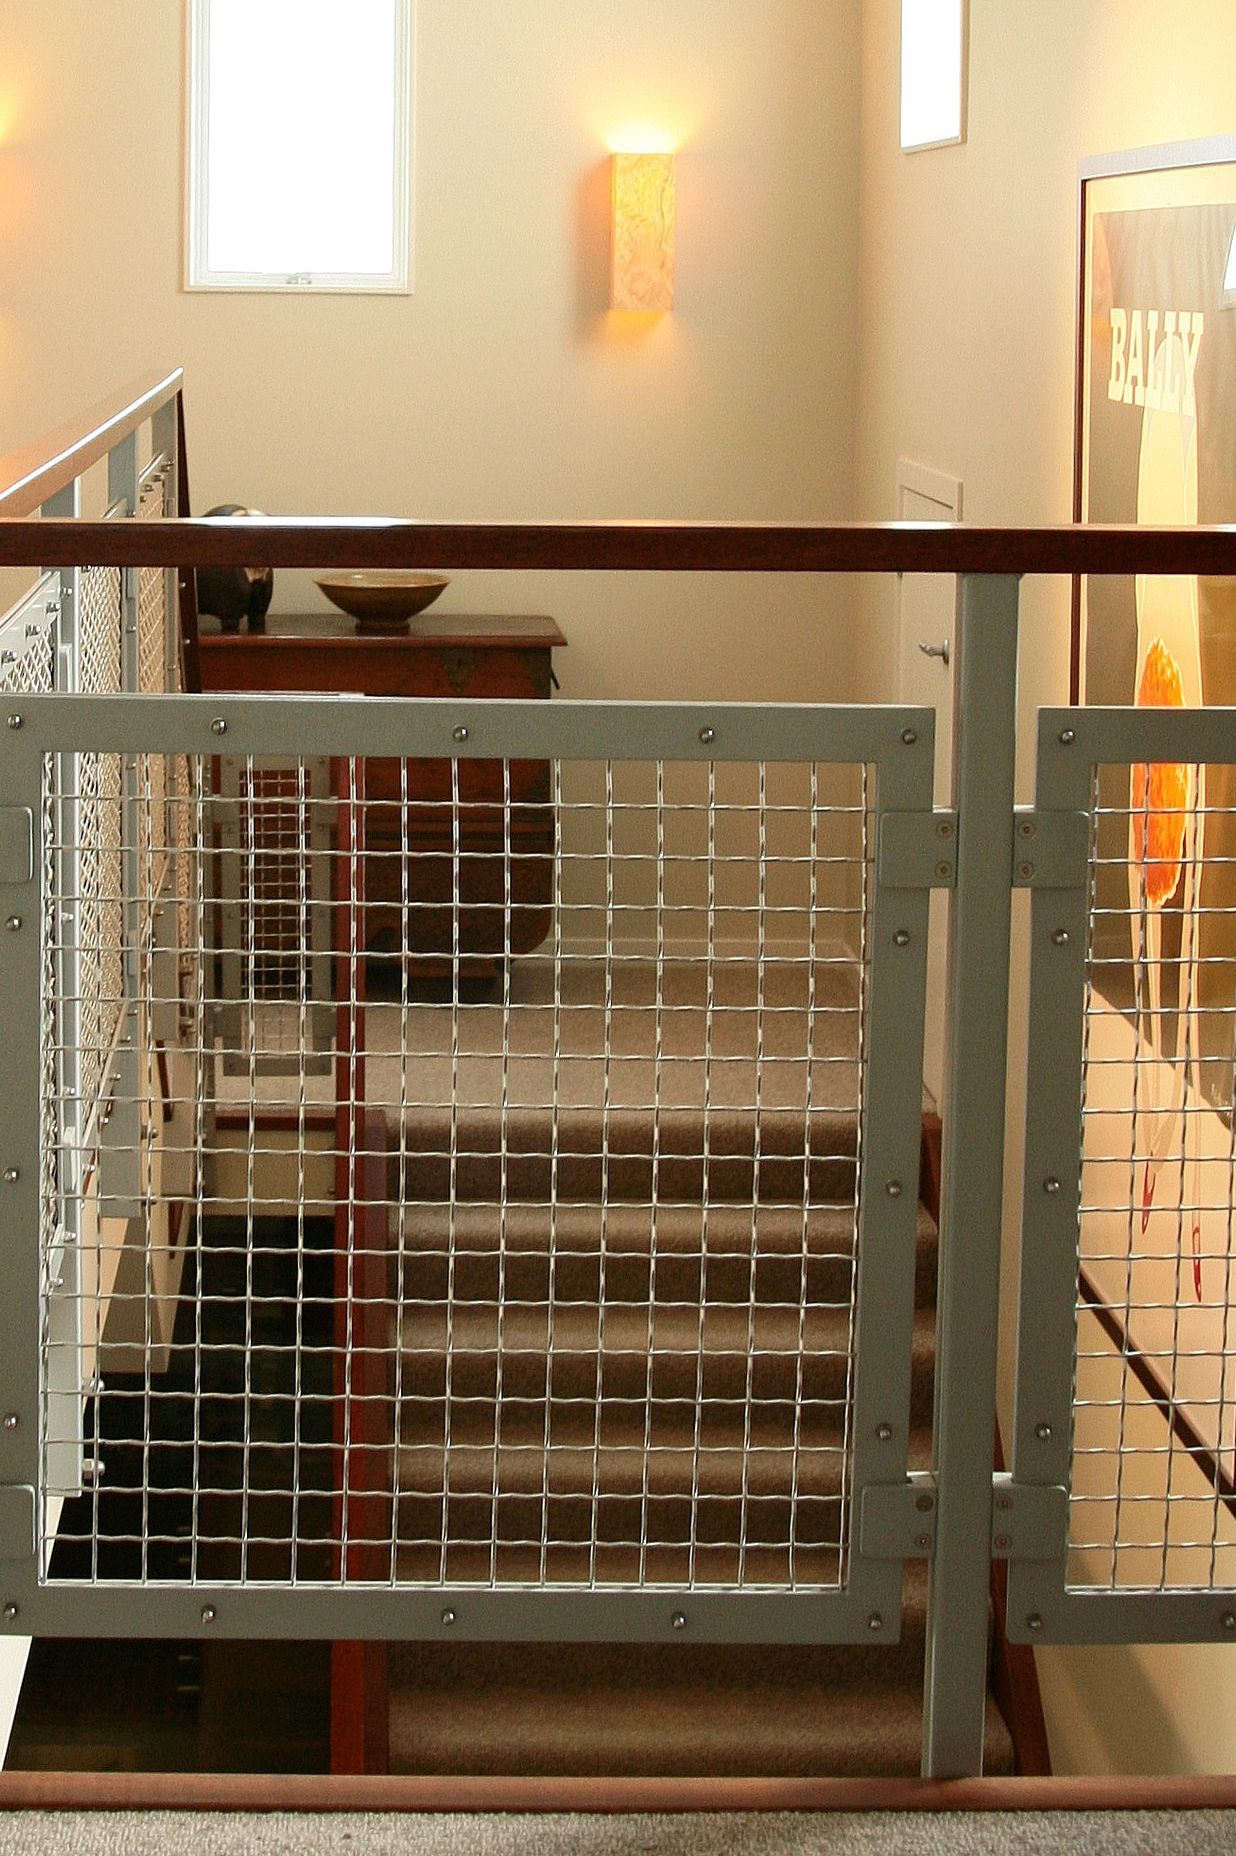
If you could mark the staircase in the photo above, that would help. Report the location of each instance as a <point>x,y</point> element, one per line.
<point>603,1383</point>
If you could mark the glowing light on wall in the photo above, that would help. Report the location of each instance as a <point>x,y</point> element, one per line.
<point>644,226</point>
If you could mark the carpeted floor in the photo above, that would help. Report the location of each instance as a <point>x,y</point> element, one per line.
<point>1023,1833</point>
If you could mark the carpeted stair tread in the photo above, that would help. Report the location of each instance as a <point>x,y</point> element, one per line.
<point>529,1154</point>
<point>731,1252</point>
<point>731,1359</point>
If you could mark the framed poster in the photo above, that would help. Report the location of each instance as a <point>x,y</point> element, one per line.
<point>1156,444</point>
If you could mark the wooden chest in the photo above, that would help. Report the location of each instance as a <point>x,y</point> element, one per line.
<point>457,857</point>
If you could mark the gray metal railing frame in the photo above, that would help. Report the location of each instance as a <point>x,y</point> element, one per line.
<point>989,564</point>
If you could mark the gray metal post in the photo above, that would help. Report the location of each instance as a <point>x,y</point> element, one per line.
<point>972,1185</point>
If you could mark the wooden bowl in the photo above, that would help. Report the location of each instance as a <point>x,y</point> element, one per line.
<point>382,600</point>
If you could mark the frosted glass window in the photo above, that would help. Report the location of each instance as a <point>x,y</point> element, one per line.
<point>933,88</point>
<point>300,144</point>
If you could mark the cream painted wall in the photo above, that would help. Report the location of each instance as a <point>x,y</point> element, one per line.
<point>500,389</point>
<point>966,363</point>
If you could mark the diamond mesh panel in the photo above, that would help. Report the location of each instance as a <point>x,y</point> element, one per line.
<point>99,900</point>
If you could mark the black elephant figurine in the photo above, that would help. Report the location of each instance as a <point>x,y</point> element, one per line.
<point>231,594</point>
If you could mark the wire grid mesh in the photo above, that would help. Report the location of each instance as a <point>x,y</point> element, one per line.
<point>1155,1397</point>
<point>585,1314</point>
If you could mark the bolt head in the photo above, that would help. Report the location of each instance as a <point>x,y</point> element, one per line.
<point>13,923</point>
<point>1034,1622</point>
<point>945,828</point>
<point>459,734</point>
<point>1003,1543</point>
<point>884,1432</point>
<point>893,1188</point>
<point>902,938</point>
<point>1025,871</point>
<point>208,1614</point>
<point>11,1420</point>
<point>10,1612</point>
<point>448,1618</point>
<point>875,1621</point>
<point>707,736</point>
<point>1051,1186</point>
<point>925,1503</point>
<point>944,869</point>
<point>15,721</point>
<point>909,736</point>
<point>1228,1620</point>
<point>11,1175</point>
<point>1043,1432</point>
<point>1060,938</point>
<point>1026,828</point>
<point>218,726</point>
<point>1067,737</point>
<point>679,1620</point>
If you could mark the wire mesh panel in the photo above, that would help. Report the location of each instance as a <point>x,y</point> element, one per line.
<point>565,1280</point>
<point>1148,1341</point>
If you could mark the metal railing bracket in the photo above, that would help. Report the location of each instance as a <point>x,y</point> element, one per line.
<point>1050,849</point>
<point>1029,1520</point>
<point>16,844</point>
<point>897,1520</point>
<point>918,850</point>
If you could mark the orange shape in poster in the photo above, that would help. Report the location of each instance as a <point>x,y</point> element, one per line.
<point>1160,791</point>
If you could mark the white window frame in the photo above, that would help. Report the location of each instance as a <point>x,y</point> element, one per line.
<point>963,105</point>
<point>197,273</point>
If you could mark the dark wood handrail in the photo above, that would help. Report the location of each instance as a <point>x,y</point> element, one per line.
<point>225,1791</point>
<point>671,547</point>
<point>34,474</point>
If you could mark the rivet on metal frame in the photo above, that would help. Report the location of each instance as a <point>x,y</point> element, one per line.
<point>893,1188</point>
<point>909,736</point>
<point>1060,938</point>
<point>10,1612</point>
<point>1043,1432</point>
<point>15,721</point>
<point>707,736</point>
<point>1051,1186</point>
<point>459,734</point>
<point>679,1620</point>
<point>11,1420</point>
<point>884,1432</point>
<point>11,1175</point>
<point>13,923</point>
<point>1034,1622</point>
<point>218,726</point>
<point>875,1621</point>
<point>1228,1620</point>
<point>925,1503</point>
<point>1067,737</point>
<point>902,938</point>
<point>448,1618</point>
<point>208,1614</point>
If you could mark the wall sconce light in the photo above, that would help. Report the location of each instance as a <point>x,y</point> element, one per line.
<point>644,214</point>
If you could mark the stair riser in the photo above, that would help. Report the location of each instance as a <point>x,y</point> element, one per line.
<point>626,1276</point>
<point>535,1179</point>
